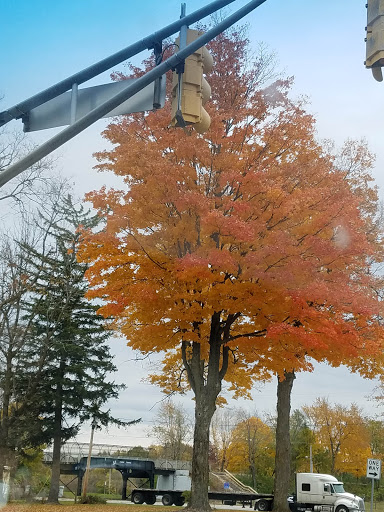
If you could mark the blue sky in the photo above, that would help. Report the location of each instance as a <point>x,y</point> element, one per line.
<point>320,43</point>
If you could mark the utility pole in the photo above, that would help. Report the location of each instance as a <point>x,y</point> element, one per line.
<point>88,467</point>
<point>310,459</point>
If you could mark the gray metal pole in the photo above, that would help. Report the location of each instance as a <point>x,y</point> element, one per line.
<point>182,44</point>
<point>183,28</point>
<point>74,96</point>
<point>372,489</point>
<point>88,467</point>
<point>22,108</point>
<point>102,110</point>
<point>310,459</point>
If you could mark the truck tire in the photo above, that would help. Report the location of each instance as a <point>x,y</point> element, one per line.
<point>167,500</point>
<point>150,499</point>
<point>138,498</point>
<point>179,501</point>
<point>262,505</point>
<point>342,508</point>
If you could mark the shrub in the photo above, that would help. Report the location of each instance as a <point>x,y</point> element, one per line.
<point>92,499</point>
<point>187,496</point>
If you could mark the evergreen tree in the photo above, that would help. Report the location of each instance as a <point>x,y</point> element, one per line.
<point>69,359</point>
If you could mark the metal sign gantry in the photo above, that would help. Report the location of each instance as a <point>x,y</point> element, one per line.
<point>22,109</point>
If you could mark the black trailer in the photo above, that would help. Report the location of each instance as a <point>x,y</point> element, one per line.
<point>232,498</point>
<point>175,497</point>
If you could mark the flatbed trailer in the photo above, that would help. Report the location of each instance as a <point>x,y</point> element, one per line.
<point>175,497</point>
<point>231,498</point>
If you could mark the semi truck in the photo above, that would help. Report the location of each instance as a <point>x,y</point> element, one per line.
<point>315,492</point>
<point>319,493</point>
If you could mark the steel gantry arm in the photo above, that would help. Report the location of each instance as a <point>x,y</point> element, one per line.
<point>147,43</point>
<point>106,107</point>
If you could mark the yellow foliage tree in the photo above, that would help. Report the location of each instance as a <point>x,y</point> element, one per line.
<point>376,433</point>
<point>252,448</point>
<point>342,434</point>
<point>222,424</point>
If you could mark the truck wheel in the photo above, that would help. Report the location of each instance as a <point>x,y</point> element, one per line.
<point>150,499</point>
<point>138,498</point>
<point>342,508</point>
<point>262,505</point>
<point>167,500</point>
<point>179,501</point>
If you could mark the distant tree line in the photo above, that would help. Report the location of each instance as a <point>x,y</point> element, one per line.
<point>338,438</point>
<point>325,438</point>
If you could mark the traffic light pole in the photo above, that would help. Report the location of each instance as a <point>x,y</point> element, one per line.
<point>103,109</point>
<point>180,70</point>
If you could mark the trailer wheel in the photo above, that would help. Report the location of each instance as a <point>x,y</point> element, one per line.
<point>138,498</point>
<point>150,499</point>
<point>179,501</point>
<point>167,500</point>
<point>342,508</point>
<point>262,505</point>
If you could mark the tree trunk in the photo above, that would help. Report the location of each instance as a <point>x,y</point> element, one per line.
<point>253,475</point>
<point>283,444</point>
<point>223,460</point>
<point>251,454</point>
<point>5,449</point>
<point>53,496</point>
<point>206,385</point>
<point>204,410</point>
<point>333,463</point>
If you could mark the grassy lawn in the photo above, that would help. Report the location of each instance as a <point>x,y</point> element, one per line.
<point>109,507</point>
<point>70,507</point>
<point>377,507</point>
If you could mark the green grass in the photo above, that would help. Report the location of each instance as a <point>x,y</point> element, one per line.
<point>377,506</point>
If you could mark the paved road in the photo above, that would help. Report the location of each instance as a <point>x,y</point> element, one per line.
<point>215,506</point>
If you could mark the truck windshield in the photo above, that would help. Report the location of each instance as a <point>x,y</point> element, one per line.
<point>339,487</point>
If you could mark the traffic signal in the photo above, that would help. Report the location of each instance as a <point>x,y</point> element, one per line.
<point>191,91</point>
<point>375,38</point>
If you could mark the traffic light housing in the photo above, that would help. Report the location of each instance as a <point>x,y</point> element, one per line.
<point>195,90</point>
<point>375,38</point>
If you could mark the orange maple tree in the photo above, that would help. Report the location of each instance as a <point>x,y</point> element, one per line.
<point>240,253</point>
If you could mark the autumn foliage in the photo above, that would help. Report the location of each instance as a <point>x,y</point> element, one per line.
<point>342,435</point>
<point>251,448</point>
<point>254,221</point>
<point>242,253</point>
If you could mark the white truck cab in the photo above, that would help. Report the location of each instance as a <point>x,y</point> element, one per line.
<point>319,492</point>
